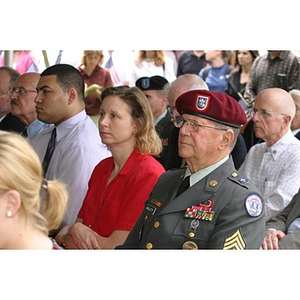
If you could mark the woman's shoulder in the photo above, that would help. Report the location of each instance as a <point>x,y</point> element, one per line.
<point>147,164</point>
<point>103,164</point>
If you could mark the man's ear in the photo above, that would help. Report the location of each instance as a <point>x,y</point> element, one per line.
<point>227,139</point>
<point>286,121</point>
<point>72,95</point>
<point>13,203</point>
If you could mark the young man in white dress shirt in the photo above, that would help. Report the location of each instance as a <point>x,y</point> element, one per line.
<point>78,147</point>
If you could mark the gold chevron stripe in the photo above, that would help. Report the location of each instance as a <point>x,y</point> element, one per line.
<point>235,241</point>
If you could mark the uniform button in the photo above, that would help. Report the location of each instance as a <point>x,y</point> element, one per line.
<point>213,183</point>
<point>191,234</point>
<point>189,246</point>
<point>156,224</point>
<point>234,175</point>
<point>149,246</point>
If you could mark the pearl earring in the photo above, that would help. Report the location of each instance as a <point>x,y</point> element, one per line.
<point>9,213</point>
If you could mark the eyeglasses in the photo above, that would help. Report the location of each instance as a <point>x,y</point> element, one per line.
<point>21,91</point>
<point>191,125</point>
<point>265,114</point>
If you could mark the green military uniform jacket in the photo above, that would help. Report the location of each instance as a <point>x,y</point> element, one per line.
<point>221,211</point>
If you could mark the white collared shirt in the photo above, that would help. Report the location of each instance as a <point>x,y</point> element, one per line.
<point>275,171</point>
<point>78,150</point>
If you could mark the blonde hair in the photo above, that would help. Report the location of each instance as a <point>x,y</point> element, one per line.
<point>21,170</point>
<point>159,57</point>
<point>148,141</point>
<point>91,52</point>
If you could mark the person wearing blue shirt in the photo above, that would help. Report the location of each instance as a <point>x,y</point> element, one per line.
<point>215,75</point>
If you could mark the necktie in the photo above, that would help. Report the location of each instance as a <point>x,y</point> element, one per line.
<point>49,151</point>
<point>184,185</point>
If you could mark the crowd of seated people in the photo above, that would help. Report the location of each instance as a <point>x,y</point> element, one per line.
<point>102,124</point>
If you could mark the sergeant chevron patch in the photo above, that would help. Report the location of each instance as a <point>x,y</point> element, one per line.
<point>235,242</point>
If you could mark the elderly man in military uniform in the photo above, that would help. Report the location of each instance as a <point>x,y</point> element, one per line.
<point>153,88</point>
<point>207,204</point>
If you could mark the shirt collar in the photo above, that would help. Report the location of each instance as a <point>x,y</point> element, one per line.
<point>35,127</point>
<point>195,177</point>
<point>280,145</point>
<point>280,56</point>
<point>67,126</point>
<point>160,117</point>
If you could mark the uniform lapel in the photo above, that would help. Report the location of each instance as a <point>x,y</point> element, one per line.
<point>199,192</point>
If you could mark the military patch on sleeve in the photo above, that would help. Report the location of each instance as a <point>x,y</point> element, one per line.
<point>253,205</point>
<point>235,242</point>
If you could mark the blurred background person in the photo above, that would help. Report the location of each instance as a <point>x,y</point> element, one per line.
<point>191,62</point>
<point>23,61</point>
<point>8,122</point>
<point>150,63</point>
<point>95,78</point>
<point>239,77</point>
<point>26,219</point>
<point>118,63</point>
<point>22,97</point>
<point>119,185</point>
<point>274,69</point>
<point>216,73</point>
<point>153,88</point>
<point>236,85</point>
<point>295,126</point>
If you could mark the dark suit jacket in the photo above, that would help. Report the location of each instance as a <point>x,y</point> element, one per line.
<point>298,135</point>
<point>169,157</point>
<point>164,224</point>
<point>11,123</point>
<point>239,151</point>
<point>283,220</point>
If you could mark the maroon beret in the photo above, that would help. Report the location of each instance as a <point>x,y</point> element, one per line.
<point>215,106</point>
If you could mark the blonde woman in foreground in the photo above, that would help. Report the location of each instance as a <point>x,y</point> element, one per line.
<point>29,205</point>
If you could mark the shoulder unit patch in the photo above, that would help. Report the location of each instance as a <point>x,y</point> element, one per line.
<point>253,205</point>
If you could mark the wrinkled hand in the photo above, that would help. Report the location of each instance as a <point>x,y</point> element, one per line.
<point>271,239</point>
<point>83,236</point>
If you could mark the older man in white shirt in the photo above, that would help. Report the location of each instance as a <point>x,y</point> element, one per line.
<point>274,165</point>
